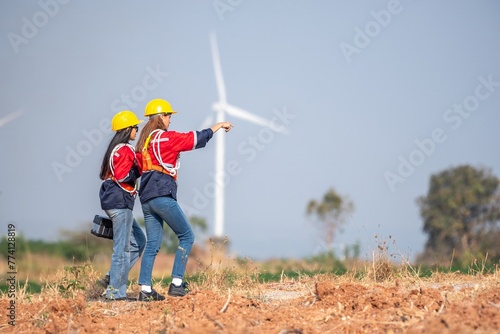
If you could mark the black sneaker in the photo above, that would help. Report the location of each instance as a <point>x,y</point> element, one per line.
<point>178,291</point>
<point>104,282</point>
<point>150,296</point>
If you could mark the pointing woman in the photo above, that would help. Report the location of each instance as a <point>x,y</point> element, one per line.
<point>161,149</point>
<point>120,169</point>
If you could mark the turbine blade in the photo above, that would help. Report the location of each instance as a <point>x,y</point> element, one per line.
<point>209,120</point>
<point>219,79</point>
<point>10,117</point>
<point>245,115</point>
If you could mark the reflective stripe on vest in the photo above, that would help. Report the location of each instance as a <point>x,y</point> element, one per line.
<point>125,186</point>
<point>147,164</point>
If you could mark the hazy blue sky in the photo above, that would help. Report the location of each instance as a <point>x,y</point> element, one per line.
<point>376,95</point>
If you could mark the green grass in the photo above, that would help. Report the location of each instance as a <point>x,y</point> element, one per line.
<point>284,270</point>
<point>229,277</point>
<point>31,287</point>
<point>428,271</point>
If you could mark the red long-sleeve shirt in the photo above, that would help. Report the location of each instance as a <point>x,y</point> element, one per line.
<point>126,170</point>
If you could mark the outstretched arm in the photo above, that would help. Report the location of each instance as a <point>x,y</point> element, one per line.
<point>222,125</point>
<point>202,137</point>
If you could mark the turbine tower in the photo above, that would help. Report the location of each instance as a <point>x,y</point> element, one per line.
<point>220,108</point>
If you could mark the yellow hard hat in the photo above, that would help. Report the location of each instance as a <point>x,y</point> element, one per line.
<point>123,120</point>
<point>158,106</point>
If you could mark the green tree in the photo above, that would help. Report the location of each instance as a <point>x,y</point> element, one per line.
<point>170,241</point>
<point>460,214</point>
<point>329,214</point>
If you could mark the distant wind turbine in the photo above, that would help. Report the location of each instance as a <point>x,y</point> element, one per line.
<point>220,107</point>
<point>10,117</point>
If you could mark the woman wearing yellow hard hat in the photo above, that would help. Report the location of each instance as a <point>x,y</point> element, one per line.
<point>161,149</point>
<point>119,171</point>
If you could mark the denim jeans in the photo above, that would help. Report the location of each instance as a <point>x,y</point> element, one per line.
<point>156,211</point>
<point>128,243</point>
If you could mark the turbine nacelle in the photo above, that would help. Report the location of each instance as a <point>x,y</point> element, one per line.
<point>219,107</point>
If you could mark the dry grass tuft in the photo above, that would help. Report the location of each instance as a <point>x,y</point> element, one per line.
<point>72,281</point>
<point>381,268</point>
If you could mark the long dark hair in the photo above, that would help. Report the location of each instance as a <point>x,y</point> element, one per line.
<point>120,137</point>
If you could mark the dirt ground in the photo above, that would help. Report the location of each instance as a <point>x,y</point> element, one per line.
<point>456,304</point>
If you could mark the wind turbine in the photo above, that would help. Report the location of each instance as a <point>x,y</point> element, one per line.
<point>220,108</point>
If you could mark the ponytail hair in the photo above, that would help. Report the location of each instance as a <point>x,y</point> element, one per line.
<point>154,123</point>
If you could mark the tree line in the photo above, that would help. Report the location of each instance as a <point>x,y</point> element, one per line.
<point>460,213</point>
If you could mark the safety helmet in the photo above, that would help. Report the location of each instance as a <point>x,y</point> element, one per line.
<point>123,120</point>
<point>158,106</point>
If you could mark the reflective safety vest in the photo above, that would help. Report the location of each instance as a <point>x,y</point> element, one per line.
<point>148,165</point>
<point>132,190</point>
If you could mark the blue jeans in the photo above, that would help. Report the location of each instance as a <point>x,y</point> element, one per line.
<point>156,211</point>
<point>128,243</point>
